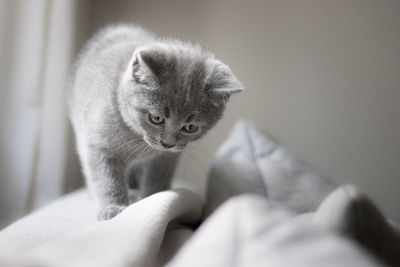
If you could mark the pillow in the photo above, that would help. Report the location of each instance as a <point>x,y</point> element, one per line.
<point>250,162</point>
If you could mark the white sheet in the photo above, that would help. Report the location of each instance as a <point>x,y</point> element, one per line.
<point>249,231</point>
<point>147,233</point>
<point>245,231</point>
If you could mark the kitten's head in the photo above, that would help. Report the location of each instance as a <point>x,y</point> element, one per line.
<point>174,93</point>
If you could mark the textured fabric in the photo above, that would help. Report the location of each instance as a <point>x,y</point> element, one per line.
<point>250,162</point>
<point>352,214</point>
<point>249,231</point>
<point>245,231</point>
<point>266,228</point>
<point>66,233</point>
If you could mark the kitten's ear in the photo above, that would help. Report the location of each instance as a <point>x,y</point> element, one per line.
<point>222,83</point>
<point>147,66</point>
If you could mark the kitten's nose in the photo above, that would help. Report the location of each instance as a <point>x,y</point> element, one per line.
<point>166,145</point>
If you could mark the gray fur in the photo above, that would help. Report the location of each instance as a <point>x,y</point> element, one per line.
<point>123,75</point>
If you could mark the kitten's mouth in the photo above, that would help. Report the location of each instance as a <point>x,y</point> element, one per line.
<point>160,147</point>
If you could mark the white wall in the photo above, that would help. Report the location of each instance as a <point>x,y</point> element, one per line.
<point>322,76</point>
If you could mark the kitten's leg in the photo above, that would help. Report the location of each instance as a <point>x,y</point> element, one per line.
<point>158,174</point>
<point>135,171</point>
<point>105,177</point>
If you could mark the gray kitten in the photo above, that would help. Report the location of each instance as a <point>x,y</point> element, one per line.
<point>136,102</point>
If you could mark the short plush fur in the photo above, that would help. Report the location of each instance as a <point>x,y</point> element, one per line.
<point>136,102</point>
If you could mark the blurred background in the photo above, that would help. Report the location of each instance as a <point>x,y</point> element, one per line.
<point>321,76</point>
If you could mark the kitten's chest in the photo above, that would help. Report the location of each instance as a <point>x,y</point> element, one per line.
<point>140,152</point>
<point>132,149</point>
<point>123,143</point>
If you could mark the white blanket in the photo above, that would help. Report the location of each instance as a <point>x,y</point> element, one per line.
<point>266,226</point>
<point>147,233</point>
<point>245,231</point>
<point>250,231</point>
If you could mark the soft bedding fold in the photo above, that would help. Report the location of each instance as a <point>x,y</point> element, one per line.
<point>147,233</point>
<point>277,221</point>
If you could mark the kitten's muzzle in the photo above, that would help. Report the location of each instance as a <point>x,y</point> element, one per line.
<point>167,145</point>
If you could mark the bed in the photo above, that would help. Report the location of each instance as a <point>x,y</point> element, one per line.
<point>263,208</point>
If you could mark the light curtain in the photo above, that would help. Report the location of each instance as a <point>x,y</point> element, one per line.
<point>38,42</point>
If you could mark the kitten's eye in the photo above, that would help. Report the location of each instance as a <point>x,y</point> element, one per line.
<point>190,128</point>
<point>156,119</point>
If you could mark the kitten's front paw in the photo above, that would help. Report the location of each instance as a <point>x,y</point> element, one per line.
<point>109,212</point>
